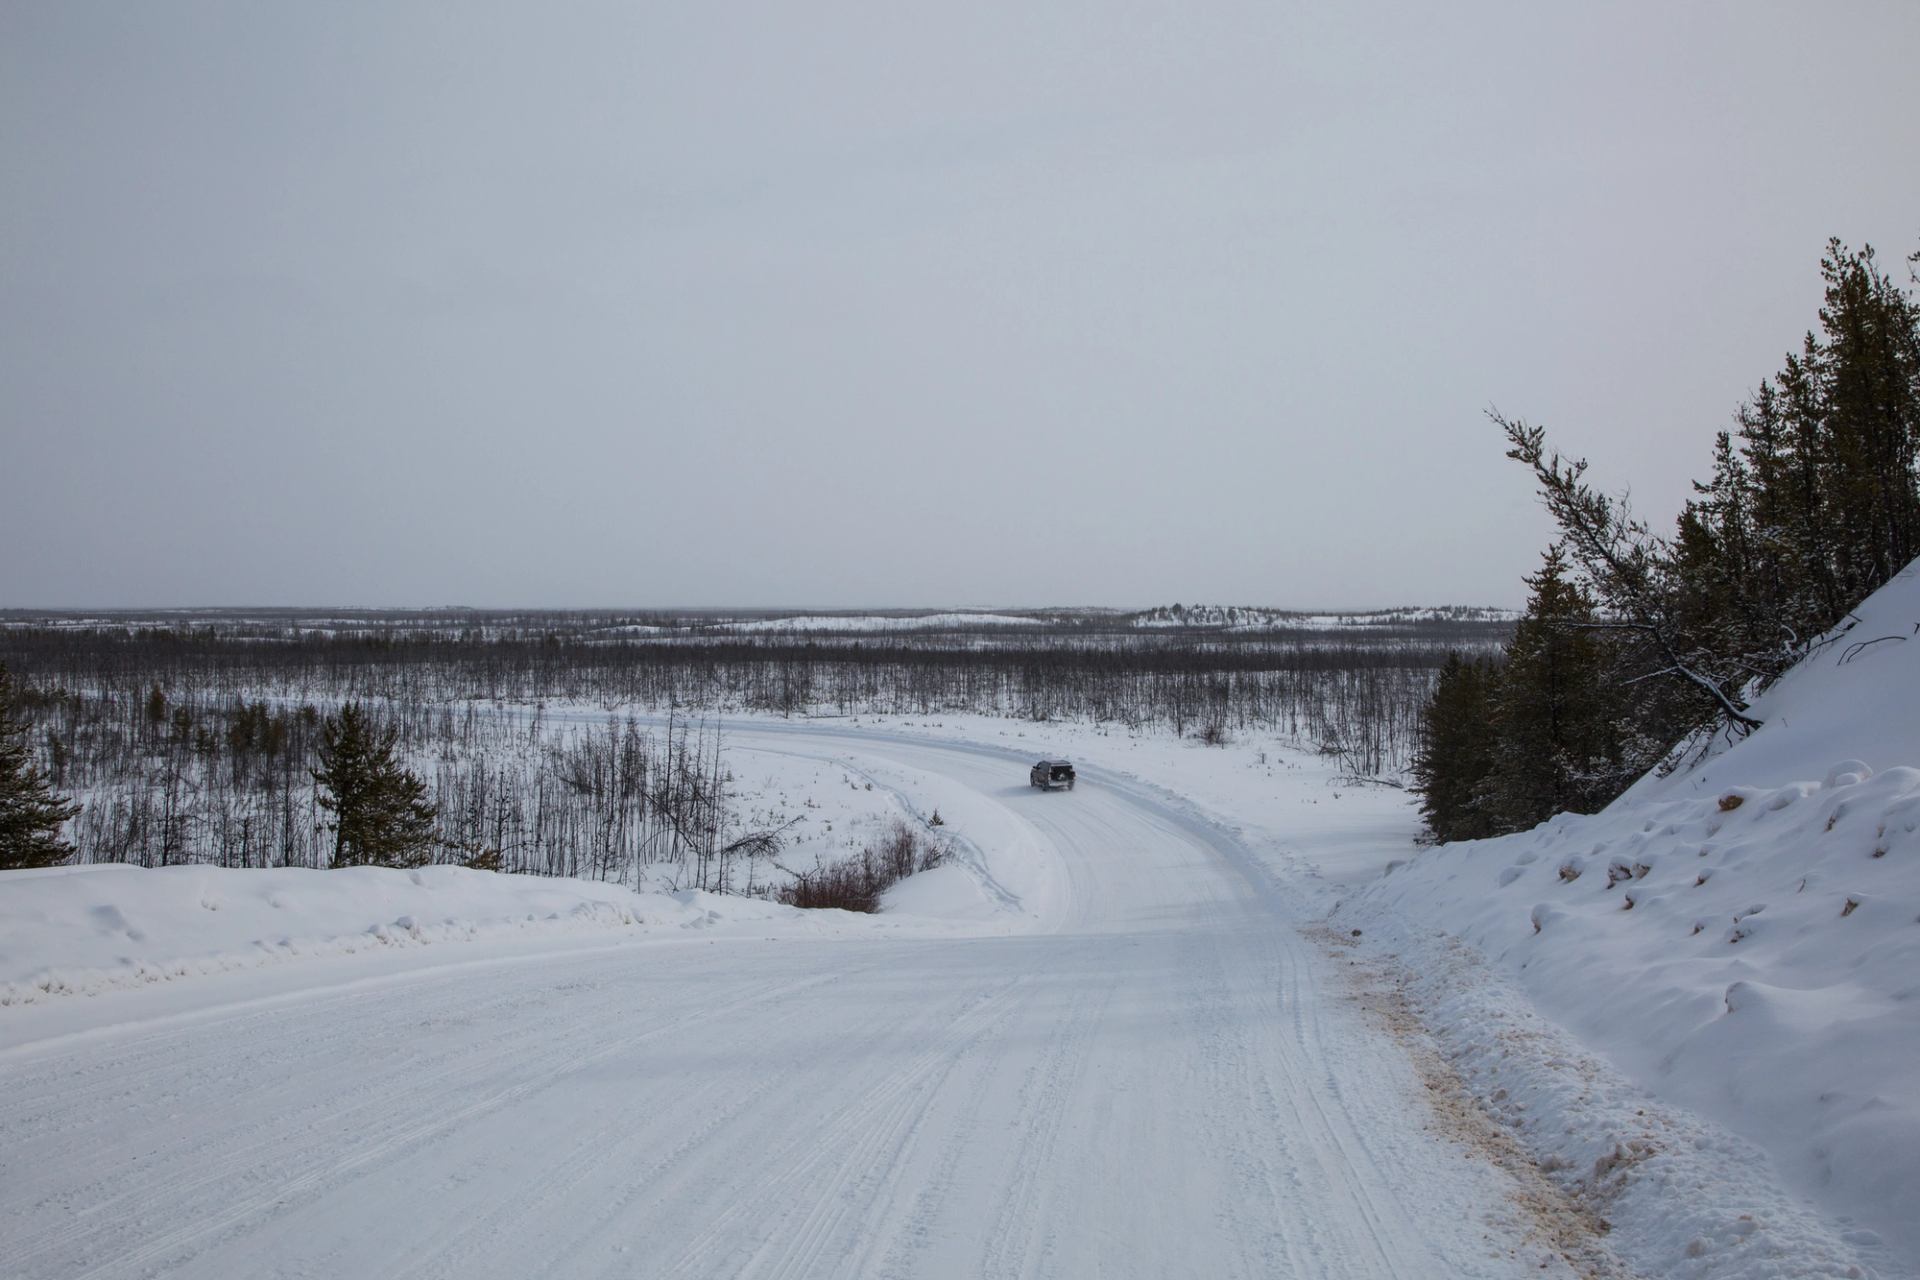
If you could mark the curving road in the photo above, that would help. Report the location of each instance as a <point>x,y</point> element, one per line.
<point>1167,1082</point>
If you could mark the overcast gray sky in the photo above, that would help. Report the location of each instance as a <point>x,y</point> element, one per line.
<point>893,303</point>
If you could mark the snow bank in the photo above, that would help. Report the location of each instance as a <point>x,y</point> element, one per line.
<point>85,930</point>
<point>1742,940</point>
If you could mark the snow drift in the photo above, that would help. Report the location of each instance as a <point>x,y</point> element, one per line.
<point>1742,937</point>
<point>89,929</point>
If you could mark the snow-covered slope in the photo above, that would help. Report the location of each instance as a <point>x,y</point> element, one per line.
<point>1742,938</point>
<point>883,622</point>
<point>1259,618</point>
<point>1856,696</point>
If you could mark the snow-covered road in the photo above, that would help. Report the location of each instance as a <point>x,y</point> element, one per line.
<point>1163,1079</point>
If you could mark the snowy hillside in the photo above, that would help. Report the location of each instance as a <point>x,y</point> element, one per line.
<point>1742,938</point>
<point>1259,618</point>
<point>1159,618</point>
<point>1857,695</point>
<point>883,622</point>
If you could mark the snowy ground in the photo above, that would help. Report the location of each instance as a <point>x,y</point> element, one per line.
<point>1741,940</point>
<point>1100,1047</point>
<point>1114,1036</point>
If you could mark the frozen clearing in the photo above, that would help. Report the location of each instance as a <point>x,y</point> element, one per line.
<point>1102,1048</point>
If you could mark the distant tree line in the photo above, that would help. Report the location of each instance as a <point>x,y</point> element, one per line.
<point>1314,686</point>
<point>1638,648</point>
<point>1167,677</point>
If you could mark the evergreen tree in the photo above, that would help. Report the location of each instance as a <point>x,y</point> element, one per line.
<point>1631,573</point>
<point>1714,556</point>
<point>1456,750</point>
<point>1556,743</point>
<point>31,814</point>
<point>380,813</point>
<point>1866,361</point>
<point>1813,504</point>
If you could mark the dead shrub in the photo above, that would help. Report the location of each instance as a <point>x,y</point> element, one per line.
<point>857,883</point>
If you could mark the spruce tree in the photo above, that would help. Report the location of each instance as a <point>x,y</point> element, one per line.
<point>1557,748</point>
<point>1818,503</point>
<point>380,813</point>
<point>1634,642</point>
<point>1456,751</point>
<point>1812,505</point>
<point>31,814</point>
<point>1867,362</point>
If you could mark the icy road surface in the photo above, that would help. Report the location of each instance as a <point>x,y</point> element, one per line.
<point>1163,1079</point>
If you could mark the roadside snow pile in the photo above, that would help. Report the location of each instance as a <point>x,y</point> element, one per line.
<point>1737,939</point>
<point>83,930</point>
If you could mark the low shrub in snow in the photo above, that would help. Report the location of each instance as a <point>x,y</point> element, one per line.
<point>857,883</point>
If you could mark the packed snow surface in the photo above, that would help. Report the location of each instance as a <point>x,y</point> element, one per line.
<point>1112,1054</point>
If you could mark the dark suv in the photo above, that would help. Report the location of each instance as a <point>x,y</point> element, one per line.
<point>1049,774</point>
